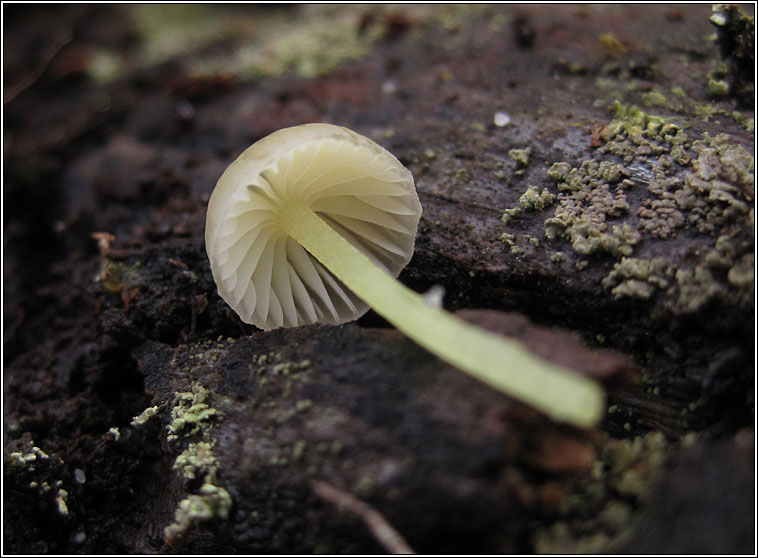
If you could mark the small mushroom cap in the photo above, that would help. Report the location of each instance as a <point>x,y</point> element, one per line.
<point>355,185</point>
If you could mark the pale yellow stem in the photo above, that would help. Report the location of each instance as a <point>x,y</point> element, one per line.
<point>500,362</point>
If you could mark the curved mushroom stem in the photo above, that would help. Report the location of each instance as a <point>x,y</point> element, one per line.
<point>494,359</point>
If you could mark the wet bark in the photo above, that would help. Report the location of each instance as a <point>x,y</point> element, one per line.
<point>142,416</point>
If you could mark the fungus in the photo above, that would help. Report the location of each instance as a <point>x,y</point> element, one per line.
<point>313,223</point>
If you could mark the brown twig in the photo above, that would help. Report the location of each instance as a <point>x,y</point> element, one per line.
<point>387,536</point>
<point>31,78</point>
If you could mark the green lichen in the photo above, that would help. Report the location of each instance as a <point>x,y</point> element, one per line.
<point>298,450</point>
<point>599,513</point>
<point>638,126</point>
<point>145,416</point>
<point>463,175</point>
<point>287,368</point>
<point>510,240</point>
<point>700,183</point>
<point>634,465</point>
<point>322,39</point>
<point>166,31</point>
<point>744,121</point>
<point>191,414</point>
<point>706,111</point>
<point>533,199</point>
<point>559,171</point>
<point>307,42</point>
<point>717,87</point>
<point>521,156</point>
<point>61,502</point>
<point>118,277</point>
<point>655,99</point>
<point>270,370</point>
<point>28,459</point>
<point>742,273</point>
<point>697,287</point>
<point>282,416</point>
<point>582,215</point>
<point>211,503</point>
<point>736,40</point>
<point>197,461</point>
<point>510,214</point>
<point>634,277</point>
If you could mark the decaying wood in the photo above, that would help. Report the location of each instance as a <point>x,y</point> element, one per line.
<point>390,539</point>
<point>561,208</point>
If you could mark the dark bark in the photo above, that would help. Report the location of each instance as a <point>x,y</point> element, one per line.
<point>235,425</point>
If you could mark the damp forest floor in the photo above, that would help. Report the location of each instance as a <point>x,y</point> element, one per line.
<point>587,179</point>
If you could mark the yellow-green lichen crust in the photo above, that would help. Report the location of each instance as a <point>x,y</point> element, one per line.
<point>651,179</point>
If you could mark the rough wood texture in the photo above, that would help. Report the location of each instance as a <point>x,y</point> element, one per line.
<point>587,179</point>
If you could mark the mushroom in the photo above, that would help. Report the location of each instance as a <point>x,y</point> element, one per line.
<point>312,224</point>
